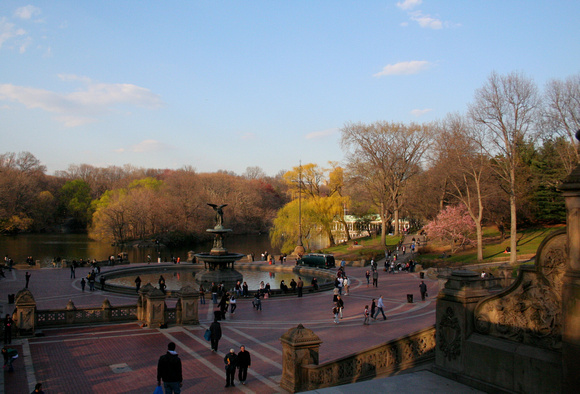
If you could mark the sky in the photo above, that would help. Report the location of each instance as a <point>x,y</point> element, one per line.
<point>227,85</point>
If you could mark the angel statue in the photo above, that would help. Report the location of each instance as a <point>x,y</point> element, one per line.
<point>219,214</point>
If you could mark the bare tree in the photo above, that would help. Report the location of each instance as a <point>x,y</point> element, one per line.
<point>385,156</point>
<point>561,116</point>
<point>468,169</point>
<point>505,108</point>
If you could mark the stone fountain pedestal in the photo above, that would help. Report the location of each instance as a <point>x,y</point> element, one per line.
<point>219,263</point>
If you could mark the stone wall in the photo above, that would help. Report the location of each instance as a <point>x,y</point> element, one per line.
<point>301,371</point>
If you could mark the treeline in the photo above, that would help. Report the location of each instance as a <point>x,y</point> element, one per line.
<point>120,204</point>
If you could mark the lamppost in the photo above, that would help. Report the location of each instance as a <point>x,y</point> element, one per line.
<point>299,250</point>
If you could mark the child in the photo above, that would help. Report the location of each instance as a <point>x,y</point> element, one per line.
<point>257,302</point>
<point>335,310</point>
<point>366,315</point>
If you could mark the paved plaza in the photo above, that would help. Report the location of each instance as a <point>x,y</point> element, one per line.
<point>122,358</point>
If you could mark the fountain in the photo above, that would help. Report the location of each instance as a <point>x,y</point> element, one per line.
<point>219,263</point>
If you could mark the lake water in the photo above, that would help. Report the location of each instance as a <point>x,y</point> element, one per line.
<point>45,247</point>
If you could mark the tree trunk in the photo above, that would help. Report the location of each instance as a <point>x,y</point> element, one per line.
<point>384,225</point>
<point>513,230</point>
<point>346,232</point>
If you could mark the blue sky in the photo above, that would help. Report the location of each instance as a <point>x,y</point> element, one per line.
<point>225,85</point>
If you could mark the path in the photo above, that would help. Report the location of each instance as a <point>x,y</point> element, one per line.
<point>122,358</point>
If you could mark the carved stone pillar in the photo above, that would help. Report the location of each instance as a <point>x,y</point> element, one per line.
<point>454,315</point>
<point>300,346</point>
<point>155,312</point>
<point>188,297</point>
<point>25,312</point>
<point>142,302</point>
<point>70,312</point>
<point>107,310</point>
<point>571,285</point>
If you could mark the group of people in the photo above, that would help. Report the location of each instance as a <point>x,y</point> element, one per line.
<point>170,371</point>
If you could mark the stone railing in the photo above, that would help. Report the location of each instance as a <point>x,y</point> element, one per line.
<point>301,372</point>
<point>71,315</point>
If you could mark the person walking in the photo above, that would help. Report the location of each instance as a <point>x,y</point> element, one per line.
<point>214,291</point>
<point>257,302</point>
<point>368,276</point>
<point>335,310</point>
<point>230,360</point>
<point>27,277</point>
<point>169,370</point>
<point>375,278</point>
<point>8,323</point>
<point>340,305</point>
<point>38,389</point>
<point>72,270</point>
<point>300,286</point>
<point>244,361</point>
<point>373,307</point>
<point>423,290</point>
<point>137,283</point>
<point>380,308</point>
<point>201,294</point>
<point>346,284</point>
<point>83,284</point>
<point>233,304</point>
<point>9,355</point>
<point>216,335</point>
<point>366,316</point>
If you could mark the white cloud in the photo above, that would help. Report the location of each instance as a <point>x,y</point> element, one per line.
<point>147,146</point>
<point>420,112</point>
<point>85,105</point>
<point>426,20</point>
<point>27,12</point>
<point>404,68</point>
<point>9,30</point>
<point>321,134</point>
<point>409,4</point>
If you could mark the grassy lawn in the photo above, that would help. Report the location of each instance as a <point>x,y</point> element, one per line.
<point>493,250</point>
<point>367,248</point>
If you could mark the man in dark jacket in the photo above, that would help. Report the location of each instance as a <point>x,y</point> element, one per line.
<point>216,334</point>
<point>230,361</point>
<point>169,370</point>
<point>244,361</point>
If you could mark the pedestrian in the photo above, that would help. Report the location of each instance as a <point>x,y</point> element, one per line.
<point>366,316</point>
<point>293,285</point>
<point>214,291</point>
<point>27,276</point>
<point>373,307</point>
<point>340,283</point>
<point>216,335</point>
<point>375,278</point>
<point>300,286</point>
<point>137,283</point>
<point>257,302</point>
<point>72,269</point>
<point>9,355</point>
<point>230,360</point>
<point>233,304</point>
<point>335,294</point>
<point>245,290</point>
<point>38,389</point>
<point>244,361</point>
<point>315,284</point>
<point>380,308</point>
<point>223,305</point>
<point>83,284</point>
<point>335,310</point>
<point>340,304</point>
<point>368,276</point>
<point>169,370</point>
<point>346,284</point>
<point>423,290</point>
<point>8,323</point>
<point>201,294</point>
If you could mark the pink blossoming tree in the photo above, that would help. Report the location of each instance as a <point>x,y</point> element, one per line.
<point>453,225</point>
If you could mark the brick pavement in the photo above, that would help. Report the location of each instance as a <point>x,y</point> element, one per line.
<point>122,358</point>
